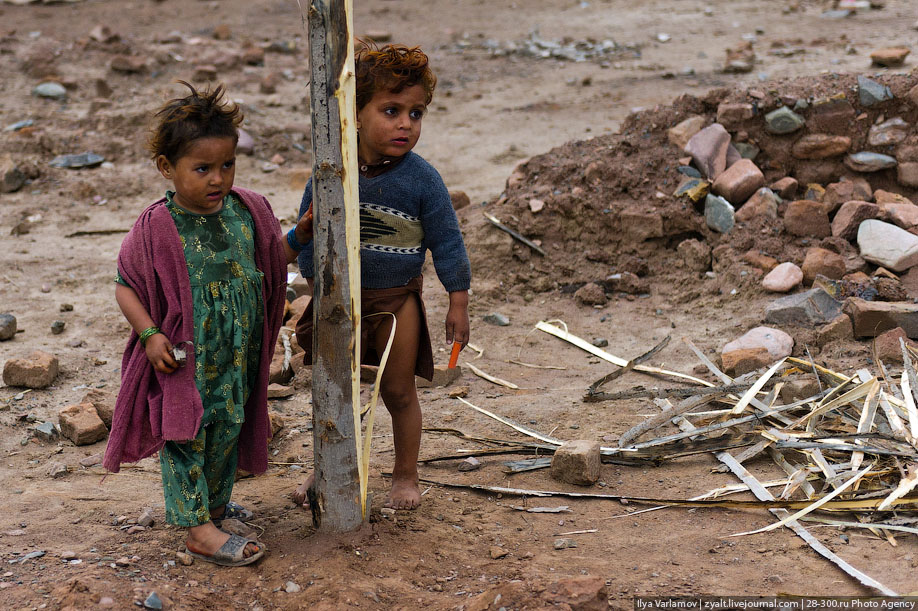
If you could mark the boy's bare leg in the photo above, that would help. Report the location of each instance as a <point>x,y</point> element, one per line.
<point>206,539</point>
<point>401,398</point>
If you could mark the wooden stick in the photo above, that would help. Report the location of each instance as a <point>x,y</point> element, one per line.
<point>514,234</point>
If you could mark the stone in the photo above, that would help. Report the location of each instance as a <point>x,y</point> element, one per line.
<point>680,134</point>
<point>693,188</point>
<point>737,183</point>
<point>687,170</point>
<point>146,518</point>
<point>581,593</point>
<point>886,346</point>
<point>7,326</point>
<point>496,318</point>
<point>57,327</point>
<point>814,192</point>
<point>11,177</point>
<point>882,197</point>
<point>759,260</point>
<point>871,318</point>
<point>153,602</point>
<point>91,460</point>
<point>870,93</point>
<point>807,218</point>
<point>291,587</point>
<point>901,215</point>
<point>719,215</point>
<point>128,64</point>
<point>57,470</point>
<point>907,174</point>
<point>783,278</point>
<point>469,464</point>
<point>246,144</point>
<point>889,57</point>
<point>278,391</point>
<point>205,73</point>
<point>81,424</point>
<point>740,59</point>
<point>839,328</point>
<point>564,544</point>
<point>536,205</point>
<point>786,188</point>
<point>576,462</point>
<point>820,146</point>
<point>496,552</point>
<point>459,200</point>
<point>866,161</point>
<point>762,204</point>
<point>887,245</point>
<point>77,161</point>
<point>51,90</point>
<point>46,431</point>
<point>38,370</point>
<point>807,309</point>
<point>837,193</point>
<point>638,226</point>
<point>744,360</point>
<point>591,294</point>
<point>888,133</point>
<point>253,56</point>
<point>733,113</point>
<point>442,376</point>
<point>696,255</point>
<point>797,390</point>
<point>777,343</point>
<point>783,121</point>
<point>103,402</point>
<point>184,559</point>
<point>626,282</point>
<point>819,261</point>
<point>747,150</point>
<point>850,216</point>
<point>833,114</point>
<point>708,149</point>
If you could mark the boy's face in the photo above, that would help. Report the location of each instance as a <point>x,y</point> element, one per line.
<point>390,123</point>
<point>203,175</point>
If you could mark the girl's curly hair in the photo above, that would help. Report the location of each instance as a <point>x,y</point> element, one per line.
<point>200,114</point>
<point>391,68</point>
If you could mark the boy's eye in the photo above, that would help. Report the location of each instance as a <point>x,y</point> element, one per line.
<point>201,169</point>
<point>416,114</point>
<point>391,111</point>
<point>229,164</point>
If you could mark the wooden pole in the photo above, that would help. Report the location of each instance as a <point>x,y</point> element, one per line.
<point>337,499</point>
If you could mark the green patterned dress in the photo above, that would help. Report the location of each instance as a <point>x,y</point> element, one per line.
<point>226,291</point>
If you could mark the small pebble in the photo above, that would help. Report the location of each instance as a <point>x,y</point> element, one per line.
<point>57,327</point>
<point>291,588</point>
<point>496,318</point>
<point>66,307</point>
<point>184,559</point>
<point>470,464</point>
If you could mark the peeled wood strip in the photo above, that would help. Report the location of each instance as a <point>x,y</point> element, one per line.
<point>490,378</point>
<point>750,394</point>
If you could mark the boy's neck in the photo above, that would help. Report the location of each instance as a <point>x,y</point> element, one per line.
<point>381,166</point>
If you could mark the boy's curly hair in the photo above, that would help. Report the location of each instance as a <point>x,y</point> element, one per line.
<point>391,68</point>
<point>200,114</point>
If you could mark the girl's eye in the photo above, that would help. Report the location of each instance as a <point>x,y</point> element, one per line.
<point>201,169</point>
<point>391,112</point>
<point>229,164</point>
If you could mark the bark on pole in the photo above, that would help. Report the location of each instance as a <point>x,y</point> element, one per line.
<point>339,506</point>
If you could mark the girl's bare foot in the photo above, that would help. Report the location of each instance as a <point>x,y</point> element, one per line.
<point>404,494</point>
<point>300,496</point>
<point>206,539</point>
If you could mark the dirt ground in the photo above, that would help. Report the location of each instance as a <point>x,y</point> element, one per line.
<point>461,550</point>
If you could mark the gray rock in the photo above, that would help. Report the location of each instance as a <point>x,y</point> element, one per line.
<point>57,470</point>
<point>52,90</point>
<point>889,132</point>
<point>496,318</point>
<point>688,171</point>
<point>718,213</point>
<point>15,127</point>
<point>783,121</point>
<point>470,464</point>
<point>57,327</point>
<point>811,308</point>
<point>46,431</point>
<point>747,150</point>
<point>870,92</point>
<point>887,245</point>
<point>291,587</point>
<point>866,161</point>
<point>600,342</point>
<point>7,326</point>
<point>75,162</point>
<point>564,543</point>
<point>153,601</point>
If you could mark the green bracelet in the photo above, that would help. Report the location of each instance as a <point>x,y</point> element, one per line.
<point>147,334</point>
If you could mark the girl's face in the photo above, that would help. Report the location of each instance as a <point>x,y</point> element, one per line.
<point>203,176</point>
<point>390,123</point>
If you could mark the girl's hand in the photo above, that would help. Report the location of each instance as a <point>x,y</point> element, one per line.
<point>159,353</point>
<point>457,318</point>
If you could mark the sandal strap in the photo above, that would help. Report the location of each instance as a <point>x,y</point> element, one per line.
<point>234,549</point>
<point>235,511</point>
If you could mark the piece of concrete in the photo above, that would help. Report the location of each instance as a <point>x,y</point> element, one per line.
<point>576,462</point>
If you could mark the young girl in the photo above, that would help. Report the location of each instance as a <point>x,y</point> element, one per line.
<point>201,280</point>
<point>405,210</point>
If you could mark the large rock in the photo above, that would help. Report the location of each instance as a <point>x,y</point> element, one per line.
<point>850,216</point>
<point>81,424</point>
<point>36,371</point>
<point>838,328</point>
<point>719,215</point>
<point>820,261</point>
<point>808,309</point>
<point>683,132</point>
<point>103,402</point>
<point>888,133</point>
<point>806,217</point>
<point>786,187</point>
<point>834,114</point>
<point>871,93</point>
<point>889,56</point>
<point>871,318</point>
<point>820,146</point>
<point>708,149</point>
<point>886,346</point>
<point>576,462</point>
<point>738,182</point>
<point>762,204</point>
<point>777,343</point>
<point>867,161</point>
<point>581,593</point>
<point>887,245</point>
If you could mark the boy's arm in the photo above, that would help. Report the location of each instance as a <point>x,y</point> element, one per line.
<point>302,235</point>
<point>158,347</point>
<point>457,318</point>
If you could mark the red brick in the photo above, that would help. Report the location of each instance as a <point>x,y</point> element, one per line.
<point>81,424</point>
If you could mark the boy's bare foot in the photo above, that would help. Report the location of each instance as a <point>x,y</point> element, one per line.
<point>300,495</point>
<point>404,494</point>
<point>206,539</point>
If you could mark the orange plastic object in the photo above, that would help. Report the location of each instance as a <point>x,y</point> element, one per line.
<point>454,356</point>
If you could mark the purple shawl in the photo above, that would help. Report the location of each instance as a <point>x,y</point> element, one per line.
<point>154,407</point>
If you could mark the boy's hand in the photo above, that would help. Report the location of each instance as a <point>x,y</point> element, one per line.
<point>457,318</point>
<point>304,228</point>
<point>159,353</point>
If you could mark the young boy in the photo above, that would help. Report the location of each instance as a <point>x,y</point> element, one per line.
<point>405,210</point>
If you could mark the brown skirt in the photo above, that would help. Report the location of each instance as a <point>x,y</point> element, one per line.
<point>371,302</point>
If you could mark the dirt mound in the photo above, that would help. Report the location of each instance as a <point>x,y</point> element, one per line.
<point>606,206</point>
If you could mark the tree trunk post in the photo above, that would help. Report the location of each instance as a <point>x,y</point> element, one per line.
<point>339,504</point>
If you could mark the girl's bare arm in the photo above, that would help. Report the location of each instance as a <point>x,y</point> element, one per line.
<point>158,347</point>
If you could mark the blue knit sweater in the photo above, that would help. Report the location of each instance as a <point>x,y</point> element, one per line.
<point>403,213</point>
